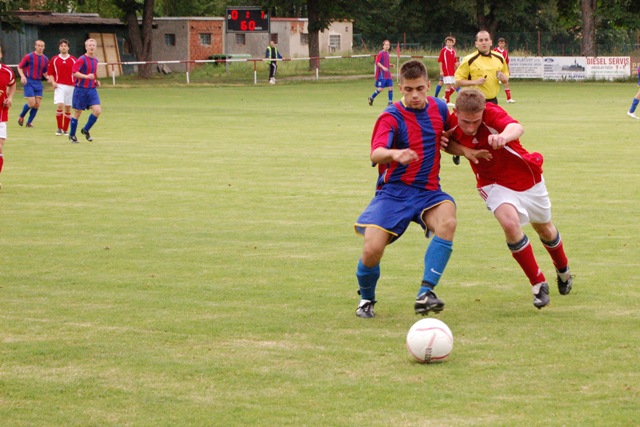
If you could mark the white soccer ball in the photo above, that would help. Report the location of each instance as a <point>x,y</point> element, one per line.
<point>430,340</point>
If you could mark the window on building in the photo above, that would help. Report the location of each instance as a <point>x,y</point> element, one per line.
<point>205,39</point>
<point>241,39</point>
<point>273,37</point>
<point>170,39</point>
<point>304,39</point>
<point>334,42</point>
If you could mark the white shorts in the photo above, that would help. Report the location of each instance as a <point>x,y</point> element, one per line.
<point>449,80</point>
<point>63,94</point>
<point>3,130</point>
<point>533,205</point>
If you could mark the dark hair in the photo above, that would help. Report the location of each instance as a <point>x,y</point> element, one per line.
<point>470,101</point>
<point>501,39</point>
<point>65,41</point>
<point>453,39</point>
<point>412,70</point>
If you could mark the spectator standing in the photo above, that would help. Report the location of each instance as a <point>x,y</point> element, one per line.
<point>272,53</point>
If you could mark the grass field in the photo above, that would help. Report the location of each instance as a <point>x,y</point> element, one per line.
<point>195,265</point>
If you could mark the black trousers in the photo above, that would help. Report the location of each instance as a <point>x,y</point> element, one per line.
<point>273,67</point>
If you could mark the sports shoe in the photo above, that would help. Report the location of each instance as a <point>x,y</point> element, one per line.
<point>540,295</point>
<point>511,101</point>
<point>428,301</point>
<point>565,287</point>
<point>59,132</point>
<point>73,139</point>
<point>456,160</point>
<point>365,309</point>
<point>21,120</point>
<point>629,113</point>
<point>29,125</point>
<point>389,103</point>
<point>86,134</point>
<point>370,99</point>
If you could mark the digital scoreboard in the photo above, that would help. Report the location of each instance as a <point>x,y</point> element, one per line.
<point>247,20</point>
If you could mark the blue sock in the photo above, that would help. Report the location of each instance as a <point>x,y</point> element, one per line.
<point>32,115</point>
<point>435,261</point>
<point>90,122</point>
<point>438,90</point>
<point>457,89</point>
<point>73,125</point>
<point>367,280</point>
<point>390,96</point>
<point>634,105</point>
<point>25,109</point>
<point>374,94</point>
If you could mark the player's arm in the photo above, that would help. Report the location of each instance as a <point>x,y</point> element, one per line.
<point>463,75</point>
<point>387,155</point>
<point>510,133</point>
<point>11,90</point>
<point>451,146</point>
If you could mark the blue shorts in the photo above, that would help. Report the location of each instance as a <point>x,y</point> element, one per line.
<point>396,205</point>
<point>382,83</point>
<point>84,98</point>
<point>33,88</point>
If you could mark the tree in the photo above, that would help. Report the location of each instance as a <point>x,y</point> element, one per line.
<point>139,36</point>
<point>588,8</point>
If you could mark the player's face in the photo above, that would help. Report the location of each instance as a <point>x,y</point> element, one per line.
<point>386,46</point>
<point>415,92</point>
<point>469,122</point>
<point>483,42</point>
<point>39,47</point>
<point>90,45</point>
<point>501,45</point>
<point>450,43</point>
<point>63,48</point>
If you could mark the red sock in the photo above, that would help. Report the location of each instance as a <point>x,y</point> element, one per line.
<point>59,118</point>
<point>447,94</point>
<point>528,263</point>
<point>508,93</point>
<point>559,258</point>
<point>1,162</point>
<point>65,122</point>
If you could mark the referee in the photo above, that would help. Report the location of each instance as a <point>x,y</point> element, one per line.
<point>483,69</point>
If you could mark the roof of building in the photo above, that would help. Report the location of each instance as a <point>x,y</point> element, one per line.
<point>43,18</point>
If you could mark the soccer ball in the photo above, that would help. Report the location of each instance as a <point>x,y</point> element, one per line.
<point>429,340</point>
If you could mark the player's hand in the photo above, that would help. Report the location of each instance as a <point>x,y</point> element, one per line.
<point>405,156</point>
<point>497,141</point>
<point>444,139</point>
<point>91,76</point>
<point>392,65</point>
<point>474,155</point>
<point>502,77</point>
<point>8,102</point>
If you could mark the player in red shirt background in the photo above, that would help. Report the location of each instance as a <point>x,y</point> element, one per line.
<point>61,78</point>
<point>502,50</point>
<point>7,90</point>
<point>509,180</point>
<point>448,63</point>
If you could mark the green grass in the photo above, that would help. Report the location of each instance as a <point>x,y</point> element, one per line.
<point>194,265</point>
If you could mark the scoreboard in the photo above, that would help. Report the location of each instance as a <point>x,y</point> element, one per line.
<point>247,20</point>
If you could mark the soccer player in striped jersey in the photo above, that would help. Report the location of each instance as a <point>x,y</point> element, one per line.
<point>32,69</point>
<point>85,93</point>
<point>634,103</point>
<point>61,78</point>
<point>509,180</point>
<point>7,90</point>
<point>406,147</point>
<point>383,75</point>
<point>448,61</point>
<point>502,50</point>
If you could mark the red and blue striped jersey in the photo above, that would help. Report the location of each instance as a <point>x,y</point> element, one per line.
<point>383,58</point>
<point>399,127</point>
<point>86,65</point>
<point>34,66</point>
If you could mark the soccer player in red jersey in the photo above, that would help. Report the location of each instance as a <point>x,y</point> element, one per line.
<point>31,69</point>
<point>502,50</point>
<point>7,90</point>
<point>85,93</point>
<point>448,61</point>
<point>61,78</point>
<point>509,180</point>
<point>383,75</point>
<point>406,147</point>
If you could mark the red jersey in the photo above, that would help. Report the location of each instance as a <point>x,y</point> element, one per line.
<point>61,69</point>
<point>512,166</point>
<point>448,60</point>
<point>504,53</point>
<point>7,79</point>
